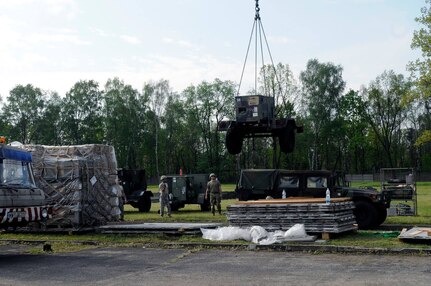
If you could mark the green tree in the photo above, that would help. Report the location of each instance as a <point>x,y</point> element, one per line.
<point>356,133</point>
<point>5,124</point>
<point>421,68</point>
<point>82,114</point>
<point>421,75</point>
<point>386,113</point>
<point>49,123</point>
<point>323,86</point>
<point>157,93</point>
<point>179,139</point>
<point>124,117</point>
<point>208,104</point>
<point>23,109</point>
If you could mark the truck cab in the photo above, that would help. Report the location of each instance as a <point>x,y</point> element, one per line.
<point>21,202</point>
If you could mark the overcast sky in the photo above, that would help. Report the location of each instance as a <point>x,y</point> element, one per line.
<point>54,43</point>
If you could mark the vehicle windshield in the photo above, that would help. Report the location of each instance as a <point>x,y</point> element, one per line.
<point>14,172</point>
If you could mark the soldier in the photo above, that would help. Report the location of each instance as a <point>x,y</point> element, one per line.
<point>164,196</point>
<point>121,197</point>
<point>214,188</point>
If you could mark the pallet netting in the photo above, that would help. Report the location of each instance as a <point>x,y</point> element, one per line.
<point>80,182</point>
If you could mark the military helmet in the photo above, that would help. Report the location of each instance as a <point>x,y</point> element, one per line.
<point>162,178</point>
<point>212,175</point>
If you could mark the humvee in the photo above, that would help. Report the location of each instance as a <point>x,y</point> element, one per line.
<point>255,117</point>
<point>188,189</point>
<point>370,205</point>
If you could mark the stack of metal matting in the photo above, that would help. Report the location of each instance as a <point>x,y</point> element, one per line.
<point>282,214</point>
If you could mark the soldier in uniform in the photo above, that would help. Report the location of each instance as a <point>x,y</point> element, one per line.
<point>164,196</point>
<point>214,188</point>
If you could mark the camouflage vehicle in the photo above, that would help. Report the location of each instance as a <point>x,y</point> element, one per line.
<point>255,117</point>
<point>370,205</point>
<point>134,185</point>
<point>21,202</point>
<point>188,189</point>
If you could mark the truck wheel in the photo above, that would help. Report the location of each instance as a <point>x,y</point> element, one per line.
<point>233,141</point>
<point>381,215</point>
<point>365,214</point>
<point>144,205</point>
<point>287,139</point>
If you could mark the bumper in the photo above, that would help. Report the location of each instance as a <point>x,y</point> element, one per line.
<point>24,215</point>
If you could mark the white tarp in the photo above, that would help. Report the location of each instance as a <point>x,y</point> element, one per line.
<point>257,234</point>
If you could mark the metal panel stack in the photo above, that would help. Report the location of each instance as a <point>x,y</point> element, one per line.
<point>281,214</point>
<point>80,181</point>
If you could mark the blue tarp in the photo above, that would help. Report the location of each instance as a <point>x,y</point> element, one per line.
<point>7,152</point>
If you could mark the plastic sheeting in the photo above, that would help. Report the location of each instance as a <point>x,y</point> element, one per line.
<point>80,181</point>
<point>256,234</point>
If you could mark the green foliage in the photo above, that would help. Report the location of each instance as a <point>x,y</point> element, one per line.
<point>22,110</point>
<point>208,104</point>
<point>323,86</point>
<point>424,138</point>
<point>49,123</point>
<point>123,118</point>
<point>82,114</point>
<point>421,68</point>
<point>385,112</point>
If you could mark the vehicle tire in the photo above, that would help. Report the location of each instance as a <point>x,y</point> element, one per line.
<point>366,215</point>
<point>205,207</point>
<point>382,214</point>
<point>234,140</point>
<point>287,139</point>
<point>144,204</point>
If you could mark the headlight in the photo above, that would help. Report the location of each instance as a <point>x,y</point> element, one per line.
<point>142,193</point>
<point>44,213</point>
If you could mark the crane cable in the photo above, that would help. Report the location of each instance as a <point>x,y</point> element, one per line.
<point>257,24</point>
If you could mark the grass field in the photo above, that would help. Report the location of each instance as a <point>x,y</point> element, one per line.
<point>192,213</point>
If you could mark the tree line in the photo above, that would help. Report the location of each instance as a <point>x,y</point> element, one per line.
<point>386,123</point>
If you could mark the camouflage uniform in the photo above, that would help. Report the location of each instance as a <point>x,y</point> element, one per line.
<point>214,188</point>
<point>164,198</point>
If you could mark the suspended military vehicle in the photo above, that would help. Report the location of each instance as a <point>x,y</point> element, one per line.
<point>256,115</point>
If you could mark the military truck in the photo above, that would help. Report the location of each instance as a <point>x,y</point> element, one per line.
<point>134,185</point>
<point>21,202</point>
<point>188,189</point>
<point>370,205</point>
<point>256,117</point>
